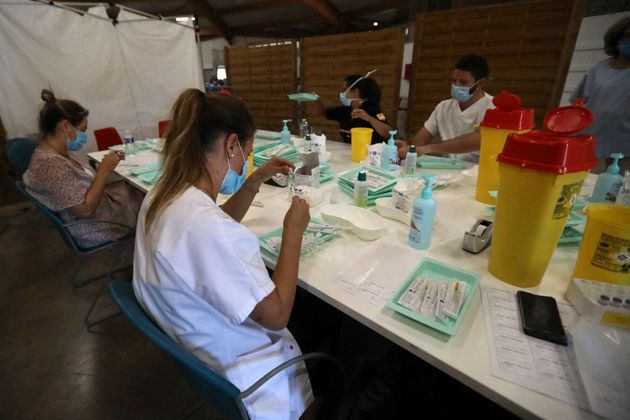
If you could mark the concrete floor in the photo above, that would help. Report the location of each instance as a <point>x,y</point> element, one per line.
<point>52,368</point>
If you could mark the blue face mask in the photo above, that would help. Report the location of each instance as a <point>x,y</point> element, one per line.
<point>343,98</point>
<point>232,181</point>
<point>624,49</point>
<point>78,142</point>
<point>462,93</point>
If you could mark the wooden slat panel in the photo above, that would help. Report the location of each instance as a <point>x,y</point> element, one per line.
<point>527,44</point>
<point>326,60</point>
<point>262,76</point>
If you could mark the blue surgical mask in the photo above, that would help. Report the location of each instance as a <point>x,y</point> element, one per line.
<point>462,93</point>
<point>343,98</point>
<point>624,49</point>
<point>78,142</point>
<point>232,181</point>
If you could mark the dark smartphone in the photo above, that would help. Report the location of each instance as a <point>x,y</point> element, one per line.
<point>541,318</point>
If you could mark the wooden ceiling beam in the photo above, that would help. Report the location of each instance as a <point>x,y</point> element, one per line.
<point>327,11</point>
<point>203,8</point>
<point>263,5</point>
<point>377,8</point>
<point>277,24</point>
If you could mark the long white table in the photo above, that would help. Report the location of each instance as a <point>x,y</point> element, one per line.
<point>464,356</point>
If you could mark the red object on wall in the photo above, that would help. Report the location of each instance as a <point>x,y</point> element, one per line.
<point>407,75</point>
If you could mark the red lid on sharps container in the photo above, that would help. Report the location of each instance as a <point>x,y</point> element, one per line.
<point>508,113</point>
<point>555,149</point>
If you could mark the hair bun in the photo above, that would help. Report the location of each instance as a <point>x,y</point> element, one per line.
<point>47,95</point>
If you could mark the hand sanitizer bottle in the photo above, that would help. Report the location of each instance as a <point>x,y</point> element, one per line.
<point>393,151</point>
<point>285,134</point>
<point>609,183</point>
<point>422,217</point>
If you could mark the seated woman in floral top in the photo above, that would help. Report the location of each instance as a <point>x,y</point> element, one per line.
<point>71,190</point>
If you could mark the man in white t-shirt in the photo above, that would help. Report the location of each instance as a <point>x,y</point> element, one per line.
<point>454,121</point>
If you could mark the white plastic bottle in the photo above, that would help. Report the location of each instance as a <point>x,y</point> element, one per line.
<point>411,161</point>
<point>361,190</point>
<point>623,197</point>
<point>422,217</point>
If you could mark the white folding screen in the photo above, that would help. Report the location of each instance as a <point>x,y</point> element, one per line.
<point>127,75</point>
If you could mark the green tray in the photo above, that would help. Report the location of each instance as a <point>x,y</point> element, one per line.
<point>142,169</point>
<point>267,135</point>
<point>570,236</point>
<point>150,177</point>
<point>436,162</point>
<point>443,272</point>
<point>303,97</point>
<point>580,203</point>
<point>278,233</point>
<point>348,177</point>
<point>575,219</point>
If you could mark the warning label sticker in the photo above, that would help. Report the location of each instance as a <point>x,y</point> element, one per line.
<point>612,254</point>
<point>565,201</point>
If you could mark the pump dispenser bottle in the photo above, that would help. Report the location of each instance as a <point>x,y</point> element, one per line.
<point>609,183</point>
<point>423,216</point>
<point>285,134</point>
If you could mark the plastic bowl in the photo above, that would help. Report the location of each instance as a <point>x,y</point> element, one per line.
<point>364,223</point>
<point>385,207</point>
<point>470,175</point>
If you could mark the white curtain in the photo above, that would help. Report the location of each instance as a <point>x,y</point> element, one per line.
<point>127,75</point>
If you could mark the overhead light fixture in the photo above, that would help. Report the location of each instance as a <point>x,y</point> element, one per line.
<point>182,19</point>
<point>375,23</point>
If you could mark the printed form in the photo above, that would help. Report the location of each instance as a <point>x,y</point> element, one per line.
<point>536,364</point>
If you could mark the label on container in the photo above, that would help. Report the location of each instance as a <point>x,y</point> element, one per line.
<point>565,201</point>
<point>415,232</point>
<point>612,254</point>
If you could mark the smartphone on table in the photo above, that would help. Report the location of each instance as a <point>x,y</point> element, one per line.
<point>541,318</point>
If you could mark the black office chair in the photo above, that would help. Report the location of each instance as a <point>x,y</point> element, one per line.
<point>212,387</point>
<point>68,239</point>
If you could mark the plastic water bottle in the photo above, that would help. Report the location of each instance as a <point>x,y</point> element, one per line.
<point>304,128</point>
<point>129,143</point>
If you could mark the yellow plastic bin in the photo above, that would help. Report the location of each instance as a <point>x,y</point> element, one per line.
<point>508,117</point>
<point>360,138</point>
<point>605,250</point>
<point>540,175</point>
<point>250,163</point>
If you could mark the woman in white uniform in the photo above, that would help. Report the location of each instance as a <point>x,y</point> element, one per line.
<point>198,271</point>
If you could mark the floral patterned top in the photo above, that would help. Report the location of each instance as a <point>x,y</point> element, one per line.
<point>61,183</point>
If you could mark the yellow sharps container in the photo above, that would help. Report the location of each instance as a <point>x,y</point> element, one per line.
<point>605,249</point>
<point>508,117</point>
<point>540,175</point>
